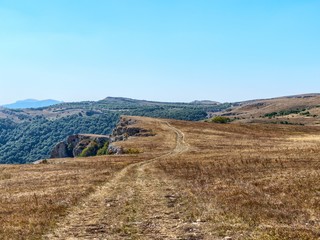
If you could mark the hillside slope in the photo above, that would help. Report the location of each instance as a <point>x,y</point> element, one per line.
<point>299,109</point>
<point>27,135</point>
<point>191,180</point>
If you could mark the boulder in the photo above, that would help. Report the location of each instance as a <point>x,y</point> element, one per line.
<point>115,150</point>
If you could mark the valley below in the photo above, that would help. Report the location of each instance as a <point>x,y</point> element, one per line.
<point>188,180</point>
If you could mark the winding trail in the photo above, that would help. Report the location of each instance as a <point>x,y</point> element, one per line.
<point>138,203</point>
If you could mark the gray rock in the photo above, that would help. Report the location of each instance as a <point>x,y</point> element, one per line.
<point>115,150</point>
<point>60,151</point>
<point>123,131</point>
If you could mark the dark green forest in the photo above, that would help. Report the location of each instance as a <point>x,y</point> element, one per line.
<point>30,141</point>
<point>32,138</point>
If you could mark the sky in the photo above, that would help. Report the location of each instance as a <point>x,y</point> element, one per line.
<point>168,50</point>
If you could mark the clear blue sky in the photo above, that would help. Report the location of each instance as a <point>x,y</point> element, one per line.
<point>169,50</point>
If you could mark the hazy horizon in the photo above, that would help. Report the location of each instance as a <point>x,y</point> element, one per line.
<point>173,51</point>
<point>242,100</point>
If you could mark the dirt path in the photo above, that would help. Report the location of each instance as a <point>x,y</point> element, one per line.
<point>138,203</point>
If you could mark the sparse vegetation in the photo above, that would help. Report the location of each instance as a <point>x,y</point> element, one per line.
<point>307,113</point>
<point>285,112</point>
<point>32,197</point>
<point>251,181</point>
<point>294,109</point>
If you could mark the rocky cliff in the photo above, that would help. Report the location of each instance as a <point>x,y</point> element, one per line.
<point>75,145</point>
<point>124,130</point>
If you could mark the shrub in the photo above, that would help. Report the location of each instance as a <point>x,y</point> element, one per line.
<point>220,119</point>
<point>305,113</point>
<point>91,150</point>
<point>103,150</point>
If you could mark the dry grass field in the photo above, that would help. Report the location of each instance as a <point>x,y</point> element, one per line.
<point>32,197</point>
<point>251,181</point>
<point>191,180</point>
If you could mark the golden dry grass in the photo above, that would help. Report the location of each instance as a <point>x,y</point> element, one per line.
<point>251,181</point>
<point>32,197</point>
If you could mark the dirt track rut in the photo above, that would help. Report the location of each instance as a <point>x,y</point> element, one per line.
<point>138,203</point>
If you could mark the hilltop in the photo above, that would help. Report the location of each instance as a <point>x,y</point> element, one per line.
<point>183,111</point>
<point>189,180</point>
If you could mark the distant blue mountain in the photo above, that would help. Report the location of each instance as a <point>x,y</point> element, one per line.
<point>31,103</point>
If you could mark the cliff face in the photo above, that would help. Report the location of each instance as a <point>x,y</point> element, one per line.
<point>124,130</point>
<point>75,144</point>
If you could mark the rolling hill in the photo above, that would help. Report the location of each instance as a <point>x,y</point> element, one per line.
<point>299,109</point>
<point>27,135</point>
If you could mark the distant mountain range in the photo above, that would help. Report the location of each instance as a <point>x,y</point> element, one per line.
<point>31,103</point>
